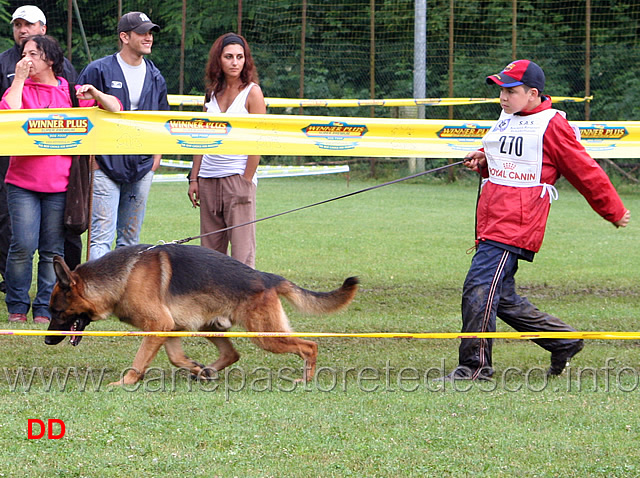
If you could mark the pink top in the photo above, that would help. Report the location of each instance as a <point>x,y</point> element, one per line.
<point>46,174</point>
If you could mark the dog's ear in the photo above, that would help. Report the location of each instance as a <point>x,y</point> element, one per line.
<point>63,273</point>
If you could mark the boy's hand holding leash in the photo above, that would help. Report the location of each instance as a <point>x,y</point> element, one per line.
<point>475,160</point>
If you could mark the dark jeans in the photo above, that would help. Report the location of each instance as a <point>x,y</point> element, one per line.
<point>37,225</point>
<point>490,291</point>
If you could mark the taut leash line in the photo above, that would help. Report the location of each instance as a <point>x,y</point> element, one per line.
<point>371,188</point>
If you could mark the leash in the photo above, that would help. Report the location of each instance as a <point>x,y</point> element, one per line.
<point>371,188</point>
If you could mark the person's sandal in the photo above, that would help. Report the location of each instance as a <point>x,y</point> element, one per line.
<point>17,317</point>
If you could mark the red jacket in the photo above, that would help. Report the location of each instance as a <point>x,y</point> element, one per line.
<point>518,216</point>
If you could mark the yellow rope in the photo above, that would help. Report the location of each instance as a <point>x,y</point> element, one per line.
<point>374,335</point>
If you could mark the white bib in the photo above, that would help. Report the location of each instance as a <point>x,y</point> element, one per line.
<point>513,148</point>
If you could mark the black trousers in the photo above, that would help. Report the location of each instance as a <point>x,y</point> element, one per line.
<point>490,291</point>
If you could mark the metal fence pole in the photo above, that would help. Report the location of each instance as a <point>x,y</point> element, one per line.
<point>451,54</point>
<point>182,47</point>
<point>69,30</point>
<point>372,54</point>
<point>419,67</point>
<point>587,60</point>
<point>451,172</point>
<point>303,34</point>
<point>514,30</point>
<point>420,53</point>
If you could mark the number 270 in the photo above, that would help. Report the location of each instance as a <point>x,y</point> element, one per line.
<point>511,145</point>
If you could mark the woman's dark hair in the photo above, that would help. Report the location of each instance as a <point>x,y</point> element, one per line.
<point>50,49</point>
<point>214,76</point>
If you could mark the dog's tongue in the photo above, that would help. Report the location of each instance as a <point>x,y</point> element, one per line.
<point>75,339</point>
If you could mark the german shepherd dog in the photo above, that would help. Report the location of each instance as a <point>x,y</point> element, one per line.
<point>185,288</point>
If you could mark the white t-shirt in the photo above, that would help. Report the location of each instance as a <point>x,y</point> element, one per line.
<point>134,76</point>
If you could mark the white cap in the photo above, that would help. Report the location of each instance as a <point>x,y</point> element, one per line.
<point>29,13</point>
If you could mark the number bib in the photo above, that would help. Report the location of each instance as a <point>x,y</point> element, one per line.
<point>513,148</point>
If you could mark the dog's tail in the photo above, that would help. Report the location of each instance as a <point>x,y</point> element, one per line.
<point>311,302</point>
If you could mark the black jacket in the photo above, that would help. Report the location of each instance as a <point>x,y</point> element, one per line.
<point>107,76</point>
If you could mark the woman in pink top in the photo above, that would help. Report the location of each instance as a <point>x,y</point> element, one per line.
<point>36,185</point>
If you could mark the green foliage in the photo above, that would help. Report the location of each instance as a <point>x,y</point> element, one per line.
<point>6,41</point>
<point>337,52</point>
<point>5,11</point>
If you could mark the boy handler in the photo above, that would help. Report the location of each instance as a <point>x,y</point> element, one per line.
<point>522,156</point>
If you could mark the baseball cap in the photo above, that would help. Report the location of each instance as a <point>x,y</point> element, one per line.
<point>519,72</point>
<point>137,22</point>
<point>29,13</point>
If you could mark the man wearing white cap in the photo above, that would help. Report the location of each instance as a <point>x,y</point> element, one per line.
<point>27,20</point>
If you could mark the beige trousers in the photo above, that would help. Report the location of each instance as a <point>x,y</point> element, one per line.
<point>226,202</point>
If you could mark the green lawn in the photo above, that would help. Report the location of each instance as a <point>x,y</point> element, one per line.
<point>373,410</point>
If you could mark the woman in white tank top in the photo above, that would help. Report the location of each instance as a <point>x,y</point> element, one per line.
<point>224,186</point>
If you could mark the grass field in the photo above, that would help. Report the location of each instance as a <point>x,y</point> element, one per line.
<point>373,410</point>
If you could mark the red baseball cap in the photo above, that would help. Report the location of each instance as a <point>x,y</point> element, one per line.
<point>519,72</point>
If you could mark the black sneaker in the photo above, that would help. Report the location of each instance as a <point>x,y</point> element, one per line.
<point>461,373</point>
<point>559,360</point>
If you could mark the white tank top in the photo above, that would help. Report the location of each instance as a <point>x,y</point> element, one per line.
<point>223,165</point>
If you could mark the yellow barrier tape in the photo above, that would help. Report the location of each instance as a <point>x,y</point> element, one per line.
<point>374,335</point>
<point>95,131</point>
<point>190,100</point>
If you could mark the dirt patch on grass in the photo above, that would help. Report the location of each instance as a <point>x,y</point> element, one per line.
<point>554,292</point>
